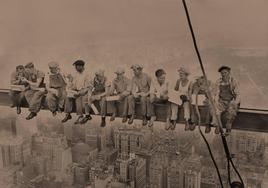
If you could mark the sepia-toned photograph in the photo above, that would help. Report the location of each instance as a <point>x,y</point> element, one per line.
<point>134,94</point>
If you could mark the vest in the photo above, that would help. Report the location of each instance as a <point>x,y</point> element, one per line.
<point>99,86</point>
<point>226,93</point>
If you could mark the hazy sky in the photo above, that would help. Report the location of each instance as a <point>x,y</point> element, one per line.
<point>107,33</point>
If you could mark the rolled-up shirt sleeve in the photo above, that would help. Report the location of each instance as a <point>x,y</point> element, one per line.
<point>13,79</point>
<point>153,88</point>
<point>236,90</point>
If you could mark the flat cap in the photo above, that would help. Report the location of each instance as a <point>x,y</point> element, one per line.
<point>136,66</point>
<point>19,67</point>
<point>99,72</point>
<point>29,65</point>
<point>53,64</point>
<point>79,62</point>
<point>184,70</point>
<point>120,71</point>
<point>224,68</point>
<point>159,72</point>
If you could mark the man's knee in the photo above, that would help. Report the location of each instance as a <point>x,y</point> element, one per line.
<point>144,99</point>
<point>152,98</point>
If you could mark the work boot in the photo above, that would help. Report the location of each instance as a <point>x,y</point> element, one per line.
<point>187,125</point>
<point>12,105</point>
<point>60,109</point>
<point>168,124</point>
<point>208,129</point>
<point>78,120</point>
<point>144,121</point>
<point>131,119</point>
<point>66,118</point>
<point>18,110</point>
<point>228,131</point>
<point>86,119</point>
<point>173,125</point>
<point>124,120</point>
<point>112,117</point>
<point>151,122</point>
<point>103,122</point>
<point>54,113</point>
<point>31,115</point>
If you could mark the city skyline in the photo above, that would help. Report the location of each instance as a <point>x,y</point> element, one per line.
<point>124,155</point>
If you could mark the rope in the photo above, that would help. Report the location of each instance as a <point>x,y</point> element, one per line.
<point>205,140</point>
<point>212,103</point>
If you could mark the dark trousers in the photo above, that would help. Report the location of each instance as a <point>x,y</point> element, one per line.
<point>156,100</point>
<point>16,97</point>
<point>115,104</point>
<point>70,102</point>
<point>102,102</point>
<point>56,101</point>
<point>145,102</point>
<point>34,99</point>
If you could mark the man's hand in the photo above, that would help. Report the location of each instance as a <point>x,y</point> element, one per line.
<point>136,95</point>
<point>143,94</point>
<point>95,97</point>
<point>24,79</point>
<point>121,97</point>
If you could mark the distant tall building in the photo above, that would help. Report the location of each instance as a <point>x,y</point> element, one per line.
<point>140,178</point>
<point>192,171</point>
<point>8,125</point>
<point>82,153</point>
<point>248,142</point>
<point>5,153</point>
<point>124,170</point>
<point>81,175</point>
<point>156,172</point>
<point>133,170</point>
<point>174,174</point>
<point>102,140</point>
<point>15,150</point>
<point>192,179</point>
<point>55,149</point>
<point>128,141</point>
<point>265,180</point>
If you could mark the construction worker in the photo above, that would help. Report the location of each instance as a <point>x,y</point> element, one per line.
<point>141,83</point>
<point>98,90</point>
<point>17,96</point>
<point>183,86</point>
<point>76,92</point>
<point>35,91</point>
<point>227,97</point>
<point>158,94</point>
<point>199,87</point>
<point>121,86</point>
<point>56,88</point>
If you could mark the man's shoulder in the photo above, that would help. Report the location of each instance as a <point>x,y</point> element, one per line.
<point>39,73</point>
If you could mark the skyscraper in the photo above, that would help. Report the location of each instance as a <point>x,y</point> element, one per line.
<point>192,171</point>
<point>128,141</point>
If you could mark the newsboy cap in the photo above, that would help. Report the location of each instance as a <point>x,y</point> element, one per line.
<point>136,66</point>
<point>29,65</point>
<point>53,64</point>
<point>19,67</point>
<point>99,72</point>
<point>224,68</point>
<point>120,71</point>
<point>79,62</point>
<point>159,72</point>
<point>184,70</point>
